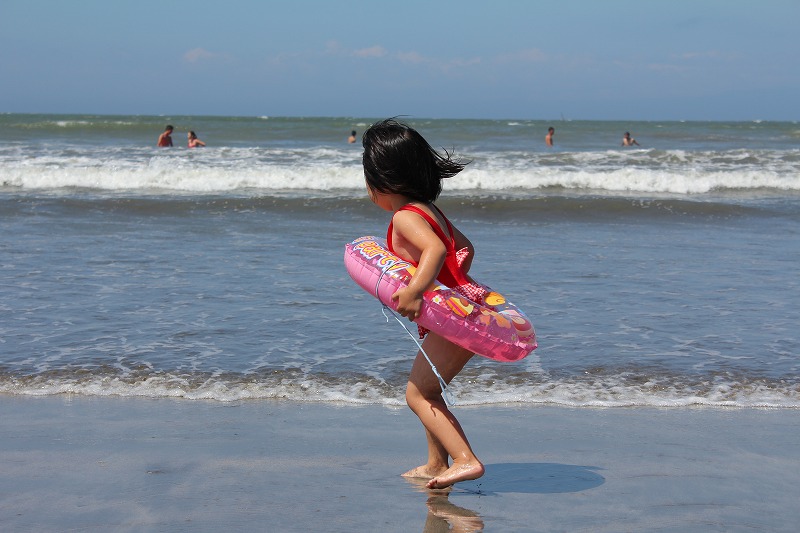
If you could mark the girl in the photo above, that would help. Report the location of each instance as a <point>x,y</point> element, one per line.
<point>194,142</point>
<point>404,175</point>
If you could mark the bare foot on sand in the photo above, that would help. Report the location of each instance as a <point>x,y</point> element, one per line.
<point>454,474</point>
<point>425,472</point>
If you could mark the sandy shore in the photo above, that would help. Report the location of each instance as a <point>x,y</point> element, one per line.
<point>131,464</point>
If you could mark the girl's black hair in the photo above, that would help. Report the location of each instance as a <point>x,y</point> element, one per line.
<point>398,160</point>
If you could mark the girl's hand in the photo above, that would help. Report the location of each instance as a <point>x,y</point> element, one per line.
<point>409,302</point>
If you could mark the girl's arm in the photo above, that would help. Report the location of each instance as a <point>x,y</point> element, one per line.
<point>424,247</point>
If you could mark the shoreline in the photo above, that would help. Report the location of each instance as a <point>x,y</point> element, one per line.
<point>132,464</point>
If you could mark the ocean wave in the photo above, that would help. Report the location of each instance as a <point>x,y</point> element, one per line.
<point>162,175</point>
<point>610,391</point>
<point>327,169</point>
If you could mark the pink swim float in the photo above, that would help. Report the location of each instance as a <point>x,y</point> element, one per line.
<point>498,330</point>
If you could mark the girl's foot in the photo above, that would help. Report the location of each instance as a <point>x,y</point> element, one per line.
<point>454,474</point>
<point>425,472</point>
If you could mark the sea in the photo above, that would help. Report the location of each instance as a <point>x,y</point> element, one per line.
<point>665,274</point>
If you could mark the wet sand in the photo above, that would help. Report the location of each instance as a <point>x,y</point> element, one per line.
<point>75,463</point>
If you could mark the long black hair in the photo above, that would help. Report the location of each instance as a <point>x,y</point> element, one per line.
<point>398,160</point>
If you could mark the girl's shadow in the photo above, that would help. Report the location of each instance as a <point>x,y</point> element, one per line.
<point>533,478</point>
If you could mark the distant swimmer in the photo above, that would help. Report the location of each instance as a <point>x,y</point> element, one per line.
<point>165,139</point>
<point>194,142</point>
<point>352,137</point>
<point>627,140</point>
<point>548,140</point>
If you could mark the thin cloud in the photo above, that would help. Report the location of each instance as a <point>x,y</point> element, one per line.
<point>412,57</point>
<point>529,55</point>
<point>335,48</point>
<point>459,62</point>
<point>712,54</point>
<point>446,65</point>
<point>200,54</point>
<point>372,51</point>
<point>668,68</point>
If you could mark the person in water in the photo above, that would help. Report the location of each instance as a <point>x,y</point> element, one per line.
<point>548,139</point>
<point>165,139</point>
<point>404,176</point>
<point>352,138</point>
<point>627,140</point>
<point>194,142</point>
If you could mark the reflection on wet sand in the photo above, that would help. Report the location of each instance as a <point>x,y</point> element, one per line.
<point>502,478</point>
<point>443,515</point>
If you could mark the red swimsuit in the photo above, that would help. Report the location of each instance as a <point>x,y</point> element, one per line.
<point>451,274</point>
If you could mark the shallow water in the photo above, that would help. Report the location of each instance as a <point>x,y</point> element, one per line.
<point>218,274</point>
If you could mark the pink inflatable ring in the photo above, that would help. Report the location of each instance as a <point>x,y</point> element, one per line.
<point>498,330</point>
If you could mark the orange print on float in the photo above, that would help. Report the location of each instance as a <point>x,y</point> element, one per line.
<point>495,298</point>
<point>460,306</point>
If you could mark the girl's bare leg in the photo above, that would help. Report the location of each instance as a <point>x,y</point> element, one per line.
<point>438,460</point>
<point>445,436</point>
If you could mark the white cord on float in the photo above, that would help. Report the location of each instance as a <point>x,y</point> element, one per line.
<point>446,395</point>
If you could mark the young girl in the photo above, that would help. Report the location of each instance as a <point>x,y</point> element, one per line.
<point>404,175</point>
<point>194,142</point>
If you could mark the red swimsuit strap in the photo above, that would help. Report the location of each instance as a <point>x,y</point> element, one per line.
<point>451,274</point>
<point>449,243</point>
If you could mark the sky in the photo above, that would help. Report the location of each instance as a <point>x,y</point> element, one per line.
<point>507,59</point>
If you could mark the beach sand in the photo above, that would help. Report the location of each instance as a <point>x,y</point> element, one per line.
<point>75,463</point>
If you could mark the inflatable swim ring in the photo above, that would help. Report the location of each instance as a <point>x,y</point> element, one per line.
<point>498,330</point>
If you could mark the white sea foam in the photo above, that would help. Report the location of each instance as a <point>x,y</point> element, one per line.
<point>326,169</point>
<point>610,392</point>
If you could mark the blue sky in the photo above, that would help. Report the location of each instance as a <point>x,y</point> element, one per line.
<point>593,59</point>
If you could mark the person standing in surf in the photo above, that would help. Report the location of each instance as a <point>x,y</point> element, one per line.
<point>627,140</point>
<point>193,141</point>
<point>548,139</point>
<point>404,176</point>
<point>165,139</point>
